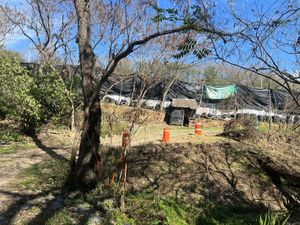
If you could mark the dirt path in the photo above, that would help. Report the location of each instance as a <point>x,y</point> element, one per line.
<point>191,171</point>
<point>52,144</point>
<point>40,148</point>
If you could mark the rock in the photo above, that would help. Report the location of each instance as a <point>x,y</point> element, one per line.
<point>25,207</point>
<point>83,207</point>
<point>112,222</point>
<point>94,219</point>
<point>37,201</point>
<point>151,180</point>
<point>41,200</point>
<point>58,203</point>
<point>50,197</point>
<point>73,195</point>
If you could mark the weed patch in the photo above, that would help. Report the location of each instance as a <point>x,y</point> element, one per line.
<point>45,176</point>
<point>150,209</point>
<point>11,136</point>
<point>7,149</point>
<point>62,217</point>
<point>12,148</point>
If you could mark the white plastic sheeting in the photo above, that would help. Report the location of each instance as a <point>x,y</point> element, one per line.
<point>201,110</point>
<point>218,112</point>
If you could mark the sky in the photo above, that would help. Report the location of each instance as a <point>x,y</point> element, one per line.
<point>16,41</point>
<point>21,44</point>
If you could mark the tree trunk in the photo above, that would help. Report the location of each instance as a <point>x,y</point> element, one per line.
<point>87,170</point>
<point>72,127</point>
<point>133,91</point>
<point>166,91</point>
<point>72,119</point>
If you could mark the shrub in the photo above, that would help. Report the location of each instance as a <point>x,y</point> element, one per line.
<point>49,92</point>
<point>30,99</point>
<point>149,209</point>
<point>16,100</point>
<point>111,124</point>
<point>241,128</point>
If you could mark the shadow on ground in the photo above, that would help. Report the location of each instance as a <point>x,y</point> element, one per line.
<point>49,150</point>
<point>220,179</point>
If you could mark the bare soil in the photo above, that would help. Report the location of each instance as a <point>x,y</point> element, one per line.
<point>190,168</point>
<point>50,144</point>
<point>221,172</point>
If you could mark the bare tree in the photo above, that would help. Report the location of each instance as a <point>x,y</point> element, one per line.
<point>151,68</point>
<point>6,26</point>
<point>175,71</point>
<point>268,44</point>
<point>127,25</point>
<point>48,26</point>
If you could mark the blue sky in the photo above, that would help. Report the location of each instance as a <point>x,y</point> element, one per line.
<point>21,44</point>
<point>16,41</point>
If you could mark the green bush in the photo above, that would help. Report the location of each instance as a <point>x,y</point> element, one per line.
<point>30,99</point>
<point>49,92</point>
<point>16,99</point>
<point>213,213</point>
<point>62,217</point>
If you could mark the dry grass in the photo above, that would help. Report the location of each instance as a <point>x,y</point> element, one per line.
<point>153,132</point>
<point>199,170</point>
<point>221,172</point>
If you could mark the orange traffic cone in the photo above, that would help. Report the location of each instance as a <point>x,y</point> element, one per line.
<point>198,130</point>
<point>166,134</point>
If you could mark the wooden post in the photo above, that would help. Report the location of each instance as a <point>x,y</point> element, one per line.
<point>133,90</point>
<point>202,91</point>
<point>125,145</point>
<point>270,107</point>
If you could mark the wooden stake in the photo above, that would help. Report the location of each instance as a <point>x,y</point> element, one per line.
<point>125,145</point>
<point>123,205</point>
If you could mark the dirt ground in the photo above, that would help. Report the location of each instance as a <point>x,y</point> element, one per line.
<point>56,144</point>
<point>191,168</point>
<point>221,172</point>
<point>38,149</point>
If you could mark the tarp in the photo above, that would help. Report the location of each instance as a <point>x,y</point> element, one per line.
<point>220,92</point>
<point>174,116</point>
<point>213,98</point>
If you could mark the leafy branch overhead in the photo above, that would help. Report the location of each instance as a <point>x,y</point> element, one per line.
<point>189,46</point>
<point>198,18</point>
